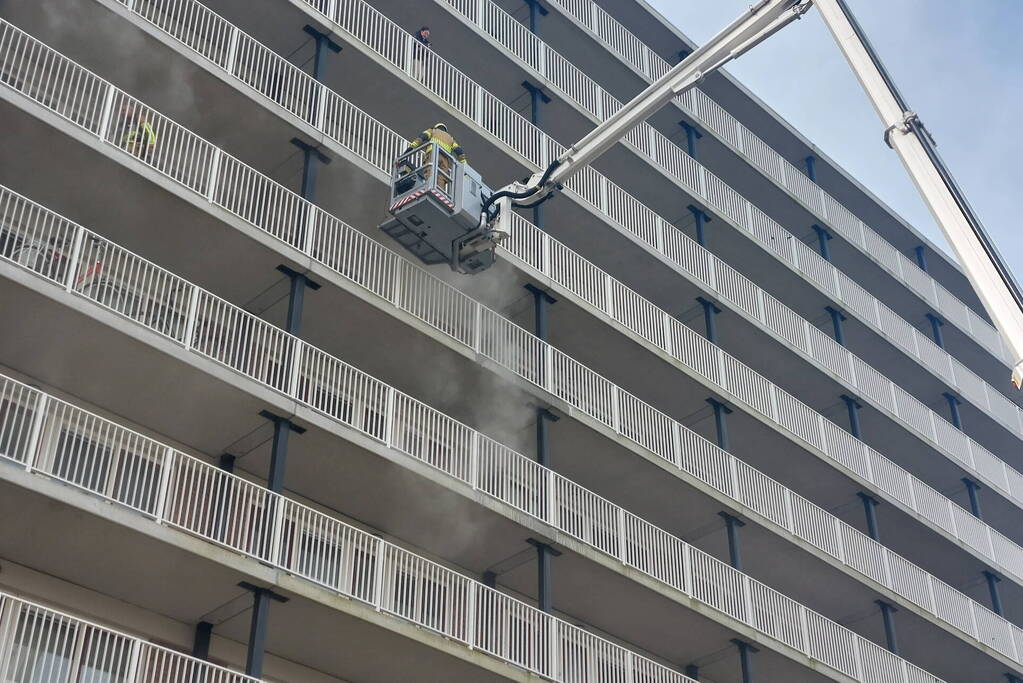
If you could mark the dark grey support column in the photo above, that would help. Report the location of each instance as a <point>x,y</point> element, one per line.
<point>710,312</point>
<point>544,554</point>
<point>732,526</point>
<point>223,518</point>
<point>888,616</point>
<point>692,135</point>
<point>811,167</point>
<point>311,154</point>
<point>537,98</point>
<point>953,410</point>
<point>296,298</point>
<point>972,489</point>
<point>311,158</point>
<point>693,672</point>
<point>720,411</point>
<point>936,325</point>
<point>489,579</point>
<point>869,505</point>
<point>701,220</point>
<point>746,652</point>
<point>536,10</point>
<point>543,448</point>
<point>201,642</point>
<point>823,237</point>
<point>279,451</point>
<point>261,598</point>
<point>992,587</point>
<point>323,45</point>
<point>1013,678</point>
<point>541,299</point>
<point>921,258</point>
<point>853,406</point>
<point>837,318</point>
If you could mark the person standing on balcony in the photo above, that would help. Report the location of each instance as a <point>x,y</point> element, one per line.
<point>440,136</point>
<point>137,134</point>
<point>422,46</point>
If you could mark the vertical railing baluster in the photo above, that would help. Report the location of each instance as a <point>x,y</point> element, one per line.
<point>277,533</point>
<point>687,569</point>
<point>166,473</point>
<point>106,112</point>
<point>474,460</point>
<point>622,535</point>
<point>389,419</point>
<point>72,261</point>
<point>191,316</point>
<point>134,659</point>
<point>35,433</point>
<point>804,631</point>
<point>212,181</point>
<point>477,327</point>
<point>554,639</point>
<point>857,657</point>
<point>747,599</point>
<point>470,614</point>
<point>295,370</point>
<point>232,51</point>
<point>378,576</point>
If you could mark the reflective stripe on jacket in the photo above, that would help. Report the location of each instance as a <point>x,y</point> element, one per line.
<point>442,138</point>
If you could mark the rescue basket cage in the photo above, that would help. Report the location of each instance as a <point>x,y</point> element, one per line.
<point>436,210</point>
<point>427,168</point>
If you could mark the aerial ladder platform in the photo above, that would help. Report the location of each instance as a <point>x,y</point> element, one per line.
<point>443,212</point>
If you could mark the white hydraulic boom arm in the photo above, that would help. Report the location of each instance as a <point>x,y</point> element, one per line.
<point>984,267</point>
<point>762,20</point>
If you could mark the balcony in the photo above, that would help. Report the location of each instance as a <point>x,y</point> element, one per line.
<point>622,57</point>
<point>977,391</point>
<point>116,184</point>
<point>991,408</point>
<point>883,393</point>
<point>263,368</point>
<point>38,643</point>
<point>571,88</point>
<point>148,479</point>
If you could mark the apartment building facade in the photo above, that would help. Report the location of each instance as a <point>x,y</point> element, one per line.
<point>717,414</point>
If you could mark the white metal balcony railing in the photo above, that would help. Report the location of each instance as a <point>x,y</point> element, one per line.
<point>538,252</point>
<point>236,187</point>
<point>41,644</point>
<point>574,84</point>
<point>47,435</point>
<point>673,160</point>
<point>122,281</point>
<point>712,273</point>
<point>764,158</point>
<point>183,314</point>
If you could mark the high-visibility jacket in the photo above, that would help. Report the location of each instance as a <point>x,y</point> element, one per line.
<point>143,130</point>
<point>442,138</point>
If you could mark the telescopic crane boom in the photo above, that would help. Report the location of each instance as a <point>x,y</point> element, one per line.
<point>904,132</point>
<point>434,203</point>
<point>759,22</point>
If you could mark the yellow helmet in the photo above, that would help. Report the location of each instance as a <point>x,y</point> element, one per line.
<point>441,126</point>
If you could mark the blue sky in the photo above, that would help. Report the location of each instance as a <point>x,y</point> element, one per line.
<point>959,64</point>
